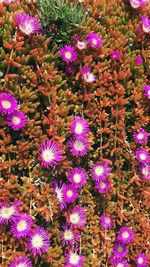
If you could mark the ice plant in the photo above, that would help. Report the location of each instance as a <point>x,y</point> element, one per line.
<point>77,177</point>
<point>8,103</point>
<point>100,170</point>
<point>80,44</point>
<point>38,241</point>
<point>77,217</point>
<point>142,155</point>
<point>16,120</point>
<point>137,3</point>
<point>27,24</point>
<point>78,146</point>
<point>69,236</point>
<point>125,235</point>
<point>68,53</point>
<point>120,250</point>
<point>74,260</point>
<point>115,54</point>
<point>120,263</point>
<point>70,193</point>
<point>141,136</point>
<point>145,24</point>
<point>102,186</point>
<point>50,154</point>
<point>145,170</point>
<point>94,39</point>
<point>138,60</point>
<point>79,126</point>
<point>106,221</point>
<point>8,212</point>
<point>147,91</point>
<point>87,75</point>
<point>141,260</point>
<point>22,261</point>
<point>21,225</point>
<point>58,189</point>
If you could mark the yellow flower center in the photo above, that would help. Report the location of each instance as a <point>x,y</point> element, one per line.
<point>69,193</point>
<point>120,249</point>
<point>37,241</point>
<point>107,220</point>
<point>77,178</point>
<point>140,260</point>
<point>78,128</point>
<point>74,218</point>
<point>16,120</point>
<point>22,225</point>
<point>102,185</point>
<point>120,265</point>
<point>6,213</point>
<point>99,170</point>
<point>48,155</point>
<point>94,41</point>
<point>142,156</point>
<point>68,235</point>
<point>78,145</point>
<point>140,136</point>
<point>6,104</point>
<point>21,265</point>
<point>125,234</point>
<point>74,258</point>
<point>68,55</point>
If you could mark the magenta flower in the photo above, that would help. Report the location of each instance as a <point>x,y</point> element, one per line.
<point>8,212</point>
<point>142,155</point>
<point>79,126</point>
<point>94,39</point>
<point>145,170</point>
<point>69,68</point>
<point>38,241</point>
<point>77,177</point>
<point>106,221</point>
<point>145,24</point>
<point>120,263</point>
<point>50,153</point>
<point>120,250</point>
<point>88,76</point>
<point>70,193</point>
<point>74,260</point>
<point>125,235</point>
<point>138,60</point>
<point>28,24</point>
<point>8,103</point>
<point>7,2</point>
<point>78,146</point>
<point>115,54</point>
<point>22,261</point>
<point>80,44</point>
<point>141,260</point>
<point>77,217</point>
<point>69,236</point>
<point>137,3</point>
<point>68,53</point>
<point>103,186</point>
<point>141,136</point>
<point>16,120</point>
<point>58,189</point>
<point>21,225</point>
<point>100,171</point>
<point>147,91</point>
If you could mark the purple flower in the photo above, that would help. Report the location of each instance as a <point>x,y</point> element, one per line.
<point>125,235</point>
<point>78,146</point>
<point>58,189</point>
<point>50,153</point>
<point>8,212</point>
<point>140,136</point>
<point>16,120</point>
<point>21,225</point>
<point>80,44</point>
<point>79,126</point>
<point>69,68</point>
<point>120,250</point>
<point>77,177</point>
<point>120,263</point>
<point>142,155</point>
<point>94,39</point>
<point>100,171</point>
<point>77,217</point>
<point>115,54</point>
<point>102,186</point>
<point>70,193</point>
<point>145,170</point>
<point>106,221</point>
<point>138,60</point>
<point>27,24</point>
<point>8,103</point>
<point>74,260</point>
<point>69,236</point>
<point>22,261</point>
<point>141,260</point>
<point>68,53</point>
<point>145,24</point>
<point>137,3</point>
<point>88,76</point>
<point>147,91</point>
<point>38,242</point>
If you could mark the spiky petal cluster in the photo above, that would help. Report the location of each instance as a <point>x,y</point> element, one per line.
<point>140,136</point>
<point>16,120</point>
<point>147,91</point>
<point>58,189</point>
<point>137,3</point>
<point>100,171</point>
<point>120,263</point>
<point>68,53</point>
<point>145,24</point>
<point>115,54</point>
<point>94,39</point>
<point>138,60</point>
<point>125,235</point>
<point>142,155</point>
<point>38,241</point>
<point>106,221</point>
<point>87,75</point>
<point>8,212</point>
<point>74,260</point>
<point>120,250</point>
<point>77,177</point>
<point>77,217</point>
<point>27,24</point>
<point>79,126</point>
<point>145,170</point>
<point>8,103</point>
<point>78,146</point>
<point>80,44</point>
<point>21,225</point>
<point>103,186</point>
<point>22,261</point>
<point>141,260</point>
<point>70,193</point>
<point>50,153</point>
<point>69,236</point>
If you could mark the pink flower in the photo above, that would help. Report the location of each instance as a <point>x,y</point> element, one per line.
<point>118,262</point>
<point>100,170</point>
<point>146,24</point>
<point>88,76</point>
<point>125,235</point>
<point>80,44</point>
<point>102,186</point>
<point>28,24</point>
<point>147,91</point>
<point>137,3</point>
<point>141,260</point>
<point>120,250</point>
<point>106,221</point>
<point>77,177</point>
<point>69,236</point>
<point>142,155</point>
<point>21,225</point>
<point>141,136</point>
<point>115,54</point>
<point>138,60</point>
<point>78,146</point>
<point>8,212</point>
<point>77,217</point>
<point>74,260</point>
<point>68,53</point>
<point>70,193</point>
<point>8,103</point>
<point>79,126</point>
<point>7,2</point>
<point>145,170</point>
<point>58,189</point>
<point>94,39</point>
<point>16,120</point>
<point>22,261</point>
